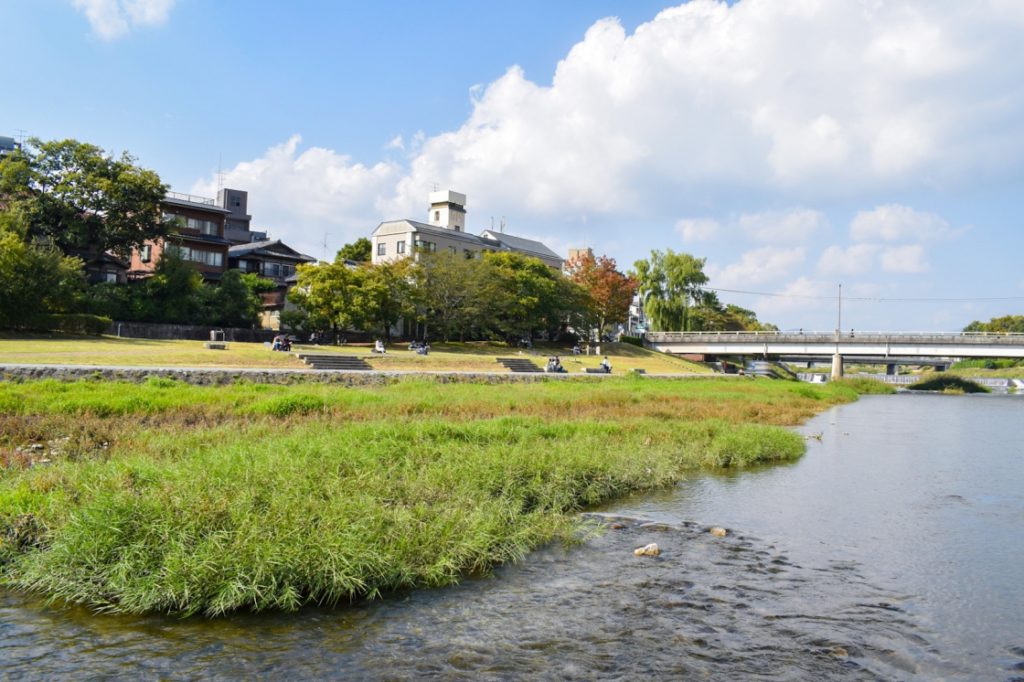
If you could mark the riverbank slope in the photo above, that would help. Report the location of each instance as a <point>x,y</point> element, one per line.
<point>170,497</point>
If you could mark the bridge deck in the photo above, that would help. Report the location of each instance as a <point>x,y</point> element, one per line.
<point>878,344</point>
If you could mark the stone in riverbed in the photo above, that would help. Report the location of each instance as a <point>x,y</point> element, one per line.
<point>719,532</point>
<point>647,550</point>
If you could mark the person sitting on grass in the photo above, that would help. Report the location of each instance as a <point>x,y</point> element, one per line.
<point>606,366</point>
<point>378,347</point>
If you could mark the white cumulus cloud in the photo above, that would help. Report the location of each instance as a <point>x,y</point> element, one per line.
<point>759,266</point>
<point>893,222</point>
<point>908,259</point>
<point>697,229</point>
<point>853,260</point>
<point>792,226</point>
<point>300,196</point>
<point>111,19</point>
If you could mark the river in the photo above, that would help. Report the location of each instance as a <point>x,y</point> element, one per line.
<point>894,549</point>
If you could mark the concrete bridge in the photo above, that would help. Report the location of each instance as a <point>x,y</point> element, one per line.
<point>883,347</point>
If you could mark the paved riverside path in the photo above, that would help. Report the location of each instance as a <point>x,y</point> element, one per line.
<point>227,375</point>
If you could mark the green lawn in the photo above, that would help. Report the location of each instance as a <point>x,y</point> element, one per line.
<point>109,350</point>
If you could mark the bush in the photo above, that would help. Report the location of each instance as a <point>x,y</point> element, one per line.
<point>632,340</point>
<point>949,384</point>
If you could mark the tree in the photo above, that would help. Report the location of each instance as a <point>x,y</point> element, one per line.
<point>175,293</point>
<point>531,296</point>
<point>458,296</point>
<point>359,251</point>
<point>669,284</point>
<point>999,325</point>
<point>712,316</point>
<point>35,280</point>
<point>82,200</point>
<point>235,301</point>
<point>328,294</point>
<point>386,295</point>
<point>610,292</point>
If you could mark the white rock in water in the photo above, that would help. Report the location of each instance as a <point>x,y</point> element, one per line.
<point>719,532</point>
<point>647,550</point>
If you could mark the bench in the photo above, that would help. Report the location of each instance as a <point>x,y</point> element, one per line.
<point>596,370</point>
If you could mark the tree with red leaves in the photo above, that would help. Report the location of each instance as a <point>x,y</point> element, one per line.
<point>610,290</point>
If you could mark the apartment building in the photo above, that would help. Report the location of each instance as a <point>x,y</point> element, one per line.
<point>198,237</point>
<point>445,232</point>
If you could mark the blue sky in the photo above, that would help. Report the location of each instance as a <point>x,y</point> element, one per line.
<point>796,145</point>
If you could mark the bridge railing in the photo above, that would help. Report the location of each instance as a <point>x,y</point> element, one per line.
<point>852,336</point>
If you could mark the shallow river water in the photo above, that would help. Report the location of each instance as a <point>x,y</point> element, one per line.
<point>893,550</point>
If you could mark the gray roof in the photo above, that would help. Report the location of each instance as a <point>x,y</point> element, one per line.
<point>265,248</point>
<point>521,244</point>
<point>487,238</point>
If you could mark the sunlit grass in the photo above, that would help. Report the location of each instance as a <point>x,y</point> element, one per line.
<point>176,498</point>
<point>465,357</point>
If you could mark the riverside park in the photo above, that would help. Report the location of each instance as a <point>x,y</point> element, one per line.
<point>148,481</point>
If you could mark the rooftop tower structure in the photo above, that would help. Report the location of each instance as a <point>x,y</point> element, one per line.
<point>448,210</point>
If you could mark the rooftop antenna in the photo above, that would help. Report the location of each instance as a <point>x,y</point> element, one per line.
<point>21,136</point>
<point>492,222</point>
<point>220,173</point>
<point>503,224</point>
<point>435,186</point>
<point>324,245</point>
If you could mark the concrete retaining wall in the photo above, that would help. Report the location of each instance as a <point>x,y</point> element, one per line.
<point>212,377</point>
<point>150,330</point>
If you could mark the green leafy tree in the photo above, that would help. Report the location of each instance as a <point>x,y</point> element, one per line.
<point>386,295</point>
<point>81,199</point>
<point>328,295</point>
<point>175,294</point>
<point>711,315</point>
<point>35,280</point>
<point>670,284</point>
<point>236,301</point>
<point>457,296</point>
<point>359,251</point>
<point>999,325</point>
<point>531,296</point>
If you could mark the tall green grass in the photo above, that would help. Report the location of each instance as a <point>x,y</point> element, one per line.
<point>303,495</point>
<point>949,384</point>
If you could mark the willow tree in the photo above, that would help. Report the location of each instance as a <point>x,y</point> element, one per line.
<point>669,284</point>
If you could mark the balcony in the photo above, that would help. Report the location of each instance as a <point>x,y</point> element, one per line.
<point>192,198</point>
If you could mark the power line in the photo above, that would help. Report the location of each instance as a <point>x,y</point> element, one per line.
<point>870,299</point>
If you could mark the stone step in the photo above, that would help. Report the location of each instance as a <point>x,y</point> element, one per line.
<point>337,362</point>
<point>519,365</point>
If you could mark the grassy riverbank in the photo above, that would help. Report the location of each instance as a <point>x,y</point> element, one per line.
<point>462,357</point>
<point>175,498</point>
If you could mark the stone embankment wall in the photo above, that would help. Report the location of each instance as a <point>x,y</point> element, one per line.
<point>203,377</point>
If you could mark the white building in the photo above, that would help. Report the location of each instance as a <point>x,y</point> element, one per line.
<point>445,231</point>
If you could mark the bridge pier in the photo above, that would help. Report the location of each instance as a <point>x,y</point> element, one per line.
<point>837,366</point>
<point>890,369</point>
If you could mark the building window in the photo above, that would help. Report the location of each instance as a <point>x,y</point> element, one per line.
<point>207,227</point>
<point>468,254</point>
<point>110,277</point>
<point>214,258</point>
<point>437,216</point>
<point>146,253</point>
<point>382,249</point>
<point>452,250</point>
<point>400,247</point>
<point>429,247</point>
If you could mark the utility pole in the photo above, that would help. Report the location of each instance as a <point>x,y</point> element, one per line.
<point>837,359</point>
<point>839,311</point>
